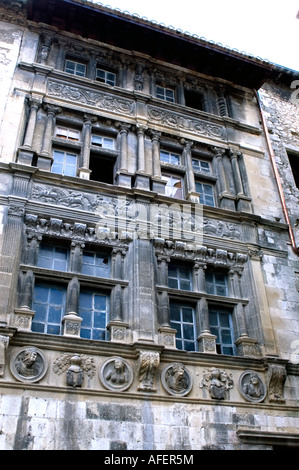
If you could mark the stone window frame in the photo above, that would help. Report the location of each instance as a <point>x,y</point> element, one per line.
<point>73,278</point>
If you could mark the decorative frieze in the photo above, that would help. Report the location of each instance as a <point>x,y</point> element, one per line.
<point>96,99</point>
<point>179,121</point>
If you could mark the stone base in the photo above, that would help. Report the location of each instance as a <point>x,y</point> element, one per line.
<point>118,331</point>
<point>248,347</point>
<point>167,337</point>
<point>72,324</point>
<point>207,343</point>
<point>23,318</point>
<point>124,179</point>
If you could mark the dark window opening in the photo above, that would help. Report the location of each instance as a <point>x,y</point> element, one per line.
<point>102,169</point>
<point>294,162</point>
<point>194,100</point>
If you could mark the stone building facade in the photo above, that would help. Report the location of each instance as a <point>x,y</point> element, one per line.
<point>149,269</point>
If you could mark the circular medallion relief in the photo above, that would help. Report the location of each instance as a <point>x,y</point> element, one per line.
<point>252,387</point>
<point>28,364</point>
<point>176,379</point>
<point>116,374</point>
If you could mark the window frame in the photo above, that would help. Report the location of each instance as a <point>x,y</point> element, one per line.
<point>218,329</point>
<point>93,329</point>
<point>162,94</point>
<point>106,80</point>
<point>64,163</point>
<point>179,190</point>
<point>203,196</point>
<point>171,156</point>
<point>46,323</point>
<point>179,278</point>
<point>213,273</point>
<point>181,332</point>
<point>76,62</point>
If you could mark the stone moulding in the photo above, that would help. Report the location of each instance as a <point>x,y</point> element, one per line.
<point>89,97</point>
<point>179,121</point>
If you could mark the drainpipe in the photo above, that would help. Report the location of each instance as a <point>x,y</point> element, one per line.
<point>276,174</point>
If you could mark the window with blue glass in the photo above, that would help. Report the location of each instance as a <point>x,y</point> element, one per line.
<point>170,157</point>
<point>179,277</point>
<point>75,68</point>
<point>182,319</point>
<point>104,76</point>
<point>94,310</point>
<point>48,304</point>
<point>206,193</point>
<point>52,257</point>
<point>221,325</point>
<point>201,165</point>
<point>96,264</point>
<point>164,93</point>
<point>216,282</point>
<point>64,163</point>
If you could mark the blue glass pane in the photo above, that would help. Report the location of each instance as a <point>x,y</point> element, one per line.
<point>187,315</point>
<point>188,332</point>
<point>99,335</point>
<point>85,333</point>
<point>213,319</point>
<point>100,321</point>
<point>228,350</point>
<point>38,327</point>
<point>58,157</point>
<point>41,294</point>
<point>85,301</point>
<point>185,285</point>
<point>53,329</point>
<point>179,344</point>
<point>41,312</point>
<point>100,302</point>
<point>56,296</point>
<point>189,346</point>
<point>173,283</point>
<point>175,312</point>
<point>224,319</point>
<point>54,315</point>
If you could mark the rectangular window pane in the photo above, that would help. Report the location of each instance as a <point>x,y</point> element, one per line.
<point>93,308</point>
<point>64,163</point>
<point>95,264</point>
<point>179,277</point>
<point>48,304</point>
<point>182,319</point>
<point>221,326</point>
<point>52,257</point>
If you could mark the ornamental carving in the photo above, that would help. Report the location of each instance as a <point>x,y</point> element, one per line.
<point>116,374</point>
<point>148,364</point>
<point>28,364</point>
<point>104,101</point>
<point>217,382</point>
<point>252,387</point>
<point>177,121</point>
<point>75,365</point>
<point>176,379</point>
<point>277,376</point>
<point>197,253</point>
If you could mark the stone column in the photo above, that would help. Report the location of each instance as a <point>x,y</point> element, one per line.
<point>28,139</point>
<point>124,178</point>
<point>157,184</point>
<point>44,158</point>
<point>142,181</point>
<point>76,256</point>
<point>26,153</point>
<point>243,202</point>
<point>192,195</point>
<point>227,201</point>
<point>71,321</point>
<point>24,314</point>
<point>199,278</point>
<point>84,171</point>
<point>117,328</point>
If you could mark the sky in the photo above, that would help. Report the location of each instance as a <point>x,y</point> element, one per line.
<point>267,29</point>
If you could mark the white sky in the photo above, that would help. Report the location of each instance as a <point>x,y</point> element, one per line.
<point>264,28</point>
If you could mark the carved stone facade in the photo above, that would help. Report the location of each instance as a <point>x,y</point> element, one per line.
<point>148,274</point>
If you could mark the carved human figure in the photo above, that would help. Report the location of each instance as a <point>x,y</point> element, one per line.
<point>254,387</point>
<point>217,387</point>
<point>117,374</point>
<point>75,375</point>
<point>251,386</point>
<point>28,364</point>
<point>176,379</point>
